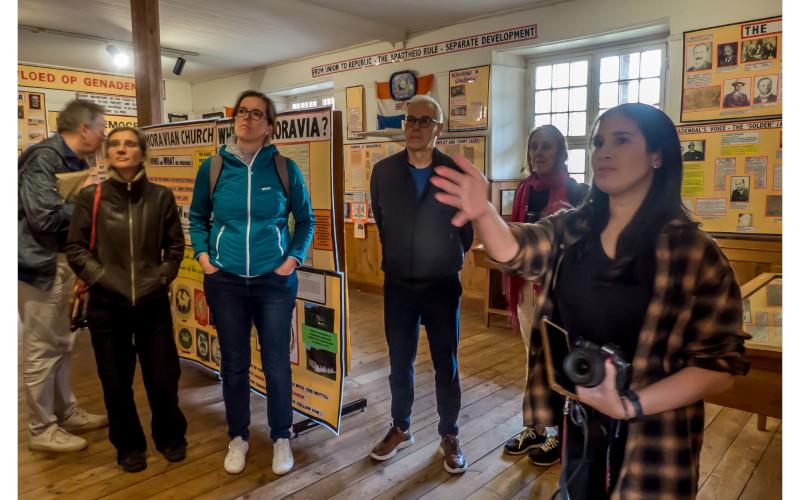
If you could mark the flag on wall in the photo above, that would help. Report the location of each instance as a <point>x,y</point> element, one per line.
<point>391,112</point>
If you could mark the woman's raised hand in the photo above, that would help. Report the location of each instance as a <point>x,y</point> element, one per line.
<point>465,191</point>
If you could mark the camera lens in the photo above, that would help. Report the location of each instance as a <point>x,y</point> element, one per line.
<point>585,367</point>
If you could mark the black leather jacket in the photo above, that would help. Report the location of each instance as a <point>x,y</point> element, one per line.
<point>42,216</point>
<point>138,241</point>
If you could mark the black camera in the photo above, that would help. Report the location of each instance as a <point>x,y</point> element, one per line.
<point>585,364</point>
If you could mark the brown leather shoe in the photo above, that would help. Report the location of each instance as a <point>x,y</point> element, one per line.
<point>454,460</point>
<point>395,439</point>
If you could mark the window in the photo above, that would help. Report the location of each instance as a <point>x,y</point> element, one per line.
<point>571,92</point>
<point>304,104</point>
<point>313,103</point>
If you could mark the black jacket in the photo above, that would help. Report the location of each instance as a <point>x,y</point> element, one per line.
<point>418,240</point>
<point>138,241</point>
<point>42,216</point>
<point>537,200</point>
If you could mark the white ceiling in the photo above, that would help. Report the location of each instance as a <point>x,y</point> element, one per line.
<point>236,35</point>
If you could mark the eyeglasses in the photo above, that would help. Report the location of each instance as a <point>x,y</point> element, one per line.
<point>254,114</point>
<point>423,122</point>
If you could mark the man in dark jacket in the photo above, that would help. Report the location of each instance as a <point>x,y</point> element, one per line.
<point>46,280</point>
<point>422,256</point>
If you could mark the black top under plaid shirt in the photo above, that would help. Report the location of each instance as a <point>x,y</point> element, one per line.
<point>693,319</point>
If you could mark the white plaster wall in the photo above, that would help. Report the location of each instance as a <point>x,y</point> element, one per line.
<point>578,19</point>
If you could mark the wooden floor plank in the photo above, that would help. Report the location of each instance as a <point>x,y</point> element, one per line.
<point>729,478</point>
<point>492,368</point>
<point>767,480</point>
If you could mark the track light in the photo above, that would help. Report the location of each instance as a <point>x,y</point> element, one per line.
<point>179,64</point>
<point>120,60</point>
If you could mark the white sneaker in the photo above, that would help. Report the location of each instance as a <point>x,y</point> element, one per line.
<point>236,458</point>
<point>82,420</point>
<point>282,459</point>
<point>58,440</point>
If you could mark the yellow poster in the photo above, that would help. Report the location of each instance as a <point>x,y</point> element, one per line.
<point>31,119</point>
<point>469,99</point>
<point>732,175</point>
<point>319,347</point>
<point>361,158</point>
<point>78,81</point>
<point>733,71</point>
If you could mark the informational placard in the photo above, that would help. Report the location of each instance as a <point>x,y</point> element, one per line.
<point>77,81</point>
<point>113,104</point>
<point>356,111</point>
<point>31,119</point>
<point>359,159</point>
<point>319,325</point>
<point>733,71</point>
<point>469,99</point>
<point>732,175</point>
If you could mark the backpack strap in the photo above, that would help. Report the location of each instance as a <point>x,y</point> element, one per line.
<point>95,205</point>
<point>283,174</point>
<point>213,174</point>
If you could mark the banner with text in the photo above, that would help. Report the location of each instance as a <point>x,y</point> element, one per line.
<point>511,35</point>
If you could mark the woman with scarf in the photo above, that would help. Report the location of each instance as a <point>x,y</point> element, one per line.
<point>548,189</point>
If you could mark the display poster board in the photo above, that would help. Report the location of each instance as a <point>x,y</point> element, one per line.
<point>359,159</point>
<point>31,119</point>
<point>732,175</point>
<point>468,99</point>
<point>733,71</point>
<point>319,326</point>
<point>356,111</point>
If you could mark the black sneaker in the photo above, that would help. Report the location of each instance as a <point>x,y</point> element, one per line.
<point>134,461</point>
<point>525,441</point>
<point>547,454</point>
<point>175,452</point>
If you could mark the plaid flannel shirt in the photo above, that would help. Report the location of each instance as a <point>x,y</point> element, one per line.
<point>693,319</point>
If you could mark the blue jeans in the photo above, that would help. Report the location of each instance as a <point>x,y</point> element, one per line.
<point>267,302</point>
<point>436,305</point>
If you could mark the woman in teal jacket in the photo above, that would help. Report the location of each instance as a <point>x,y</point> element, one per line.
<point>240,235</point>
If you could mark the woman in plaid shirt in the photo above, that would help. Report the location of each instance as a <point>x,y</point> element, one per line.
<point>631,239</point>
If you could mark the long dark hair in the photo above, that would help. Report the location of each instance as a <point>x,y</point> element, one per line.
<point>635,256</point>
<point>561,142</point>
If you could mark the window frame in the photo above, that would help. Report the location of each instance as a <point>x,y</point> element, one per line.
<point>594,56</point>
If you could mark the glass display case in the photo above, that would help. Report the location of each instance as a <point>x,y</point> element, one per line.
<point>762,305</point>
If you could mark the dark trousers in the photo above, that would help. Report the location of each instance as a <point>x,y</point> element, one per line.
<point>436,305</point>
<point>120,333</point>
<point>590,482</point>
<point>237,304</point>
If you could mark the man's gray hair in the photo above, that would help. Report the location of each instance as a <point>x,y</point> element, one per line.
<point>77,113</point>
<point>430,101</point>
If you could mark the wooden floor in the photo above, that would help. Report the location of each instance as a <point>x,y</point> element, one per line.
<point>737,461</point>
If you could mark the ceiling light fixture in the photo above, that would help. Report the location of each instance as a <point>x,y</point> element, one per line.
<point>120,59</point>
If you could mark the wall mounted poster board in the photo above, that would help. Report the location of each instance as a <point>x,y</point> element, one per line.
<point>31,119</point>
<point>355,113</point>
<point>468,99</point>
<point>733,71</point>
<point>732,175</point>
<point>319,342</point>
<point>360,158</point>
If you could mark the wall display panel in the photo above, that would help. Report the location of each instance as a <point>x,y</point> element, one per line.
<point>468,107</point>
<point>359,159</point>
<point>732,175</point>
<point>31,119</point>
<point>319,346</point>
<point>733,71</point>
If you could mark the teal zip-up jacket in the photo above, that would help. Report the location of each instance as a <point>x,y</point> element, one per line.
<point>246,230</point>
